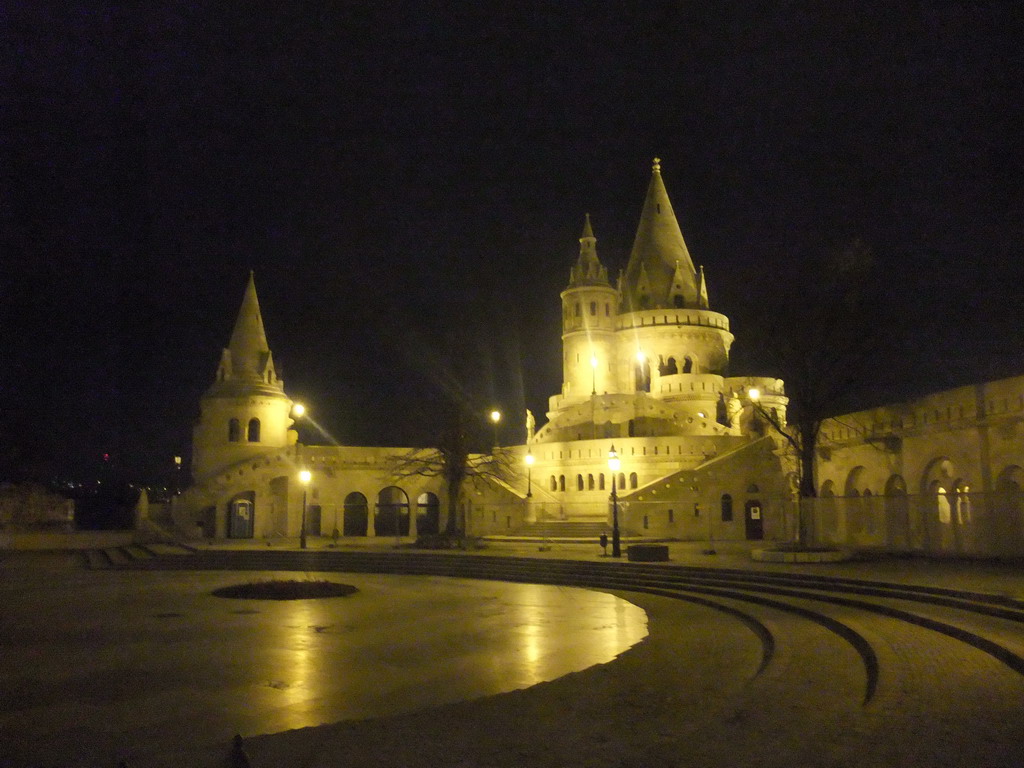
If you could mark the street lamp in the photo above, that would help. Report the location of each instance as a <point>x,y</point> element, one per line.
<point>495,418</point>
<point>304,477</point>
<point>177,475</point>
<point>613,465</point>
<point>529,473</point>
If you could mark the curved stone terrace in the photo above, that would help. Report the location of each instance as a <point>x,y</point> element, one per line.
<point>876,662</point>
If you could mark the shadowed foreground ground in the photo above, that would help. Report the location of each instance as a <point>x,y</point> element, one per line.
<point>691,694</point>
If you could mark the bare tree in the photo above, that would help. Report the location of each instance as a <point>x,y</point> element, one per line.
<point>823,337</point>
<point>452,428</point>
<point>452,458</point>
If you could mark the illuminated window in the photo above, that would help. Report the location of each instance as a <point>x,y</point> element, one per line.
<point>234,431</point>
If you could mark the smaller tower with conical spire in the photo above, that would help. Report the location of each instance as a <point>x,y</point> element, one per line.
<point>589,309</point>
<point>245,412</point>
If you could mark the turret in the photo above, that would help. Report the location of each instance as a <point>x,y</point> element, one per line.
<point>660,273</point>
<point>589,310</point>
<point>245,412</point>
<point>667,333</point>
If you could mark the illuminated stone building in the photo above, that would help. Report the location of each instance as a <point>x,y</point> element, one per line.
<point>645,369</point>
<point>942,473</point>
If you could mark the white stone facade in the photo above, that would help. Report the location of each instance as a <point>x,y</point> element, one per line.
<point>645,367</point>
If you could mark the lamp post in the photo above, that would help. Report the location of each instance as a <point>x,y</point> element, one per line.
<point>613,465</point>
<point>177,475</point>
<point>495,418</point>
<point>304,477</point>
<point>298,411</point>
<point>529,473</point>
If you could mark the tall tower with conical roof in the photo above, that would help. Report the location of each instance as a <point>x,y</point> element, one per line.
<point>665,319</point>
<point>660,273</point>
<point>589,309</point>
<point>245,412</point>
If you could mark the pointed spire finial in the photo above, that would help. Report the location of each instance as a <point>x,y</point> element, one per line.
<point>656,167</point>
<point>587,229</point>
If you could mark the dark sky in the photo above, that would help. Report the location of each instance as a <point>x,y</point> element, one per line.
<point>401,175</point>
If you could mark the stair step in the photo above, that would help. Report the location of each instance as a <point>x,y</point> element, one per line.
<point>96,558</point>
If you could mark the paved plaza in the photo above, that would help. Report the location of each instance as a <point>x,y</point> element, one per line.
<point>148,667</point>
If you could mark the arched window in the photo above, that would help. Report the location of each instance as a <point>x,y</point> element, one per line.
<point>670,367</point>
<point>632,479</point>
<point>622,479</point>
<point>254,430</point>
<point>554,483</point>
<point>642,374</point>
<point>726,508</point>
<point>677,300</point>
<point>579,482</point>
<point>577,309</point>
<point>600,482</point>
<point>234,431</point>
<point>687,365</point>
<point>561,483</point>
<point>590,482</point>
<point>593,307</point>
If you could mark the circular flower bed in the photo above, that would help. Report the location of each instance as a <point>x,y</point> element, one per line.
<point>285,590</point>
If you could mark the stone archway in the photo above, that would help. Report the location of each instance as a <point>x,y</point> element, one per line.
<point>937,512</point>
<point>391,517</point>
<point>896,505</point>
<point>356,515</point>
<point>1007,512</point>
<point>428,514</point>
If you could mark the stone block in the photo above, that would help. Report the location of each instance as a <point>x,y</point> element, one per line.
<point>647,553</point>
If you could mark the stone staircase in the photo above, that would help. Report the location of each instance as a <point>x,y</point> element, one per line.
<point>565,530</point>
<point>133,555</point>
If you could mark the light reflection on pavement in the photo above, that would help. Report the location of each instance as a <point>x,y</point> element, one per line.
<point>153,660</point>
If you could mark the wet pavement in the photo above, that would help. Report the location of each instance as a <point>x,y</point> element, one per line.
<point>97,664</point>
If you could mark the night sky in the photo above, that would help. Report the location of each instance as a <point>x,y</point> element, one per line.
<point>410,178</point>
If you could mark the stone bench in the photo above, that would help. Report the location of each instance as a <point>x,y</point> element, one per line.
<point>647,553</point>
